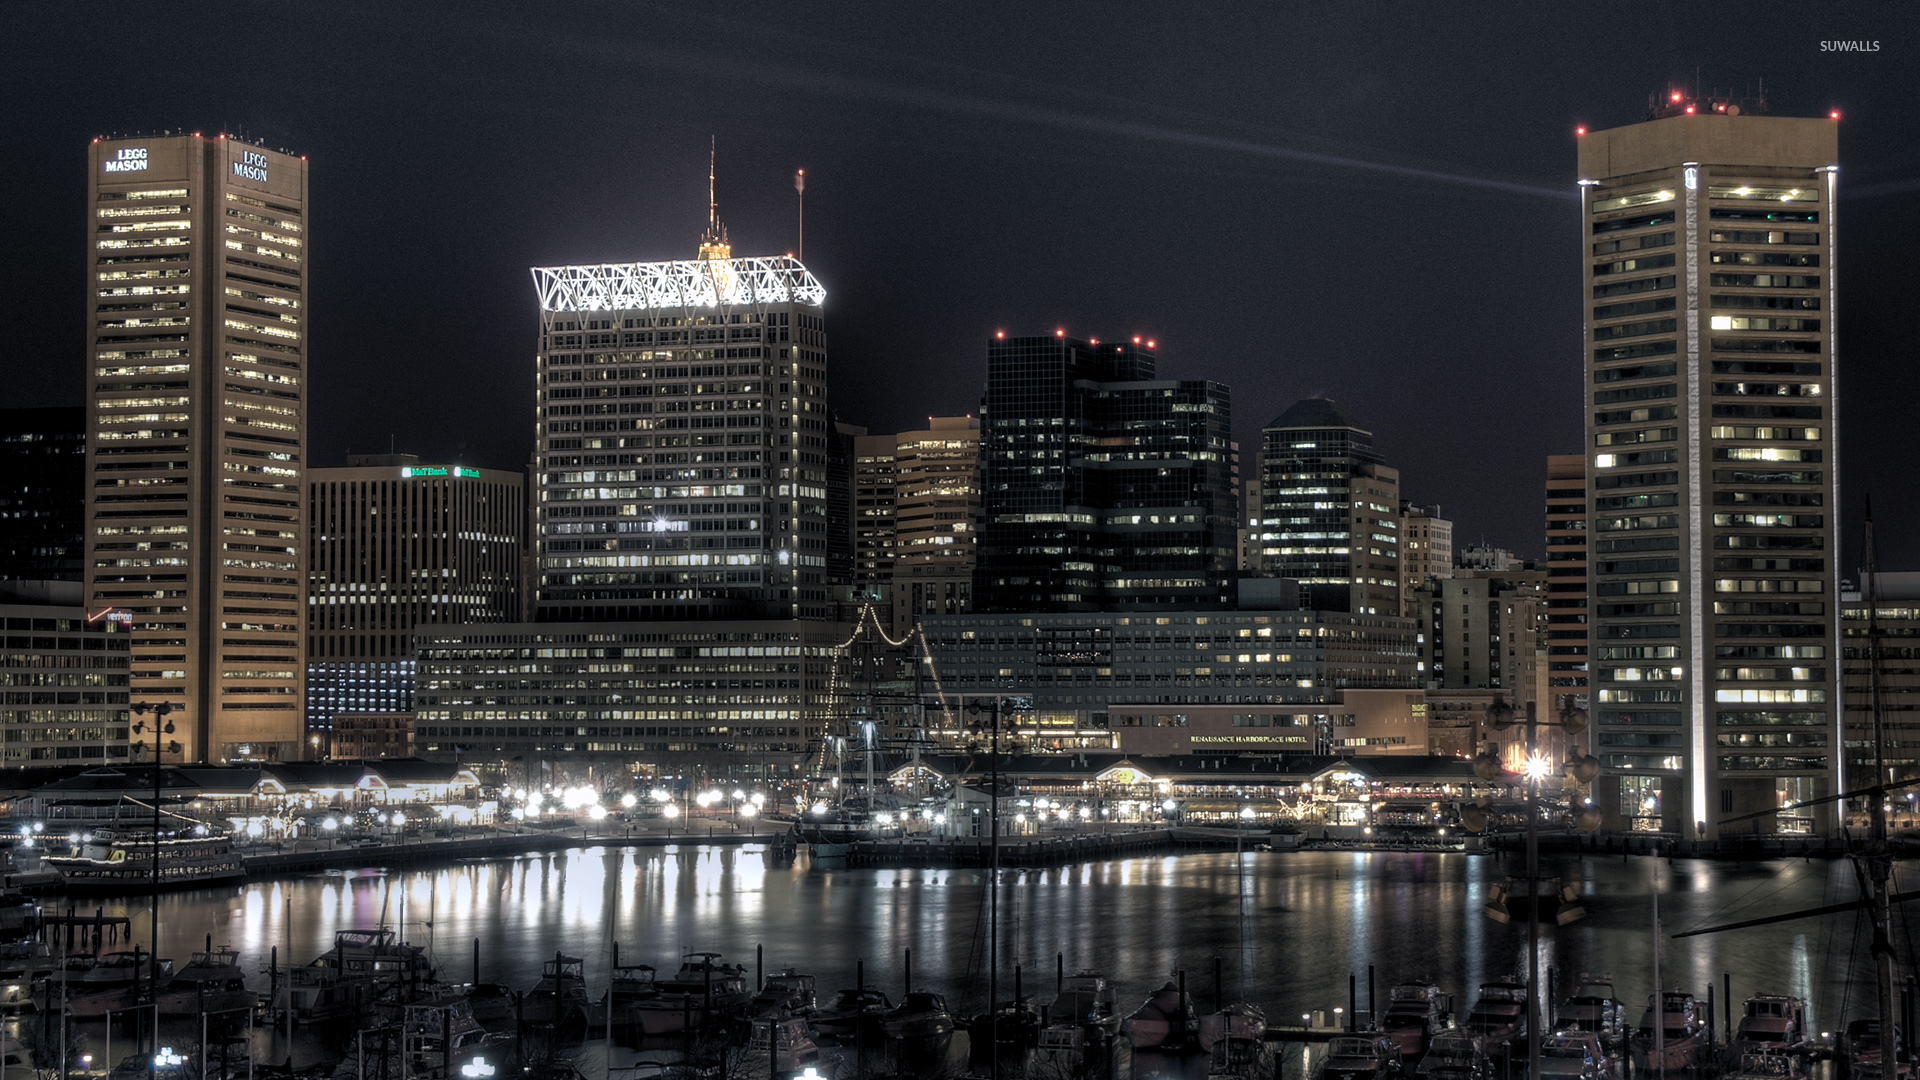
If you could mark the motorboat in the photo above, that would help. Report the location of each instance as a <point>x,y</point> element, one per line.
<point>1451,1055</point>
<point>1369,1056</point>
<point>1416,1012</point>
<point>559,1000</point>
<point>703,991</point>
<point>113,983</point>
<point>1499,1016</point>
<point>346,979</point>
<point>1573,1055</point>
<point>785,1048</point>
<point>1165,1019</point>
<point>921,1015</point>
<point>210,983</point>
<point>784,994</point>
<point>1771,1024</point>
<point>1085,999</point>
<point>850,1012</point>
<point>1593,1007</point>
<point>1684,1044</point>
<point>1238,1023</point>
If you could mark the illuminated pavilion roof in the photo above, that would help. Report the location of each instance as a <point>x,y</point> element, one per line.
<point>683,284</point>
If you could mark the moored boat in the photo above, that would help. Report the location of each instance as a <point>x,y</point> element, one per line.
<point>1499,1016</point>
<point>1593,1007</point>
<point>347,978</point>
<point>921,1015</point>
<point>1683,1041</point>
<point>1165,1019</point>
<point>210,983</point>
<point>785,1048</point>
<point>1450,1055</point>
<point>118,858</point>
<point>1359,1057</point>
<point>559,999</point>
<point>1241,1023</point>
<point>1416,1012</point>
<point>1085,999</point>
<point>1771,1024</point>
<point>850,1012</point>
<point>784,994</point>
<point>702,992</point>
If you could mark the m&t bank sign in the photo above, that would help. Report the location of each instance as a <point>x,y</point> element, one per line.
<point>128,159</point>
<point>251,166</point>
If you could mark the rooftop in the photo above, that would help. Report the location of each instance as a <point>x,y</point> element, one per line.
<point>1315,413</point>
<point>687,283</point>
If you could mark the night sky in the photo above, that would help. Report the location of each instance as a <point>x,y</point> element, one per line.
<point>1370,202</point>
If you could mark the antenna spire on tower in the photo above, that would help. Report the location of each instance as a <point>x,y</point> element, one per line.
<point>713,243</point>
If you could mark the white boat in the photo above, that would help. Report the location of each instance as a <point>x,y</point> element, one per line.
<point>118,858</point>
<point>347,978</point>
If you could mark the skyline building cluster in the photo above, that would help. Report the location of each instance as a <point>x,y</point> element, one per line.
<point>698,536</point>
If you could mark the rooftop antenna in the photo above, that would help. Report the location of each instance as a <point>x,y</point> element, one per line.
<point>800,185</point>
<point>713,245</point>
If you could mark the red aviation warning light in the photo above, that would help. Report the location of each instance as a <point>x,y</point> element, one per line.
<point>1059,333</point>
<point>1579,131</point>
<point>1834,115</point>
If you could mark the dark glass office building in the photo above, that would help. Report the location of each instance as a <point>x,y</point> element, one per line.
<point>1104,488</point>
<point>43,508</point>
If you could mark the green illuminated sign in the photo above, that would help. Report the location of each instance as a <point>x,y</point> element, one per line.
<point>410,471</point>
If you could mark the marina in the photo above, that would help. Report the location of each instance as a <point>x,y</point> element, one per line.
<point>1400,935</point>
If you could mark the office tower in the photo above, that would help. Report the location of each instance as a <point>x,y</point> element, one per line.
<point>1104,488</point>
<point>66,677</point>
<point>937,518</point>
<point>1426,546</point>
<point>1708,278</point>
<point>397,544</point>
<point>43,502</point>
<point>196,413</point>
<point>872,519</point>
<point>1330,514</point>
<point>683,443</point>
<point>1482,630</point>
<point>1567,579</point>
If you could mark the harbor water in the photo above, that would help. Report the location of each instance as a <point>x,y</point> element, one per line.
<point>1289,928</point>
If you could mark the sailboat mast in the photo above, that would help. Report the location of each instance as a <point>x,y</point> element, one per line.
<point>1659,998</point>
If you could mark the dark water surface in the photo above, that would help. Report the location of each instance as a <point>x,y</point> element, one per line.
<point>1289,926</point>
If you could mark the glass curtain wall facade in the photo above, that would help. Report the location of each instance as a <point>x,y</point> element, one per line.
<point>1707,259</point>
<point>1103,488</point>
<point>197,264</point>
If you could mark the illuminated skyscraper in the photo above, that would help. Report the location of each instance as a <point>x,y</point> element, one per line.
<point>1331,513</point>
<point>683,441</point>
<point>196,414</point>
<point>1103,488</point>
<point>399,544</point>
<point>1707,259</point>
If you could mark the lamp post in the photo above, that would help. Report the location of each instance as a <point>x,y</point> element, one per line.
<point>1536,768</point>
<point>161,726</point>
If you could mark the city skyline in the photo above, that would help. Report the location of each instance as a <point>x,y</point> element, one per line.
<point>890,236</point>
